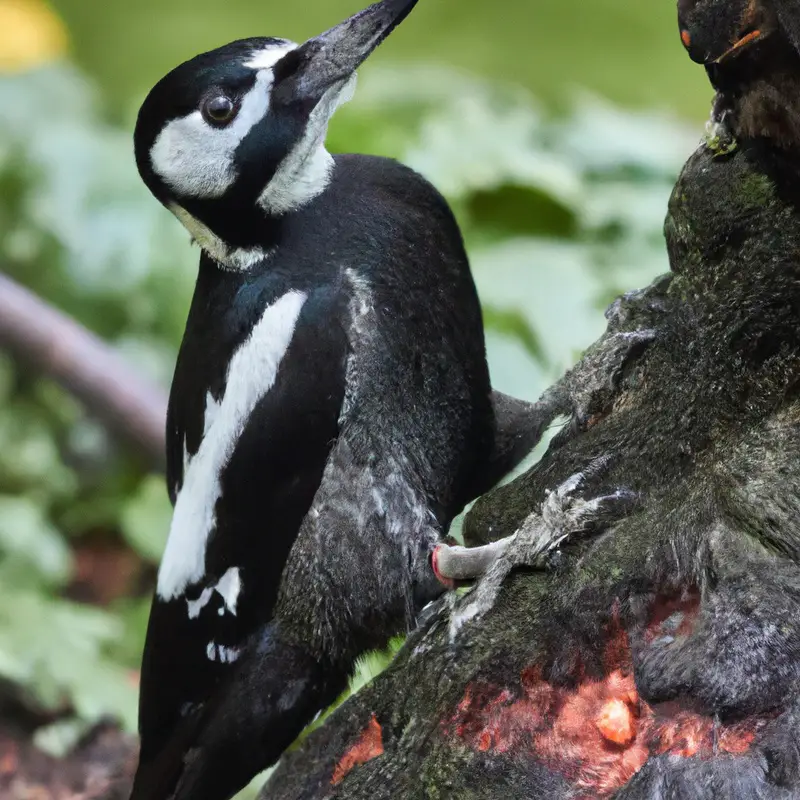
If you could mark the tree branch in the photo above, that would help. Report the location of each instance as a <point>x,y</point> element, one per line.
<point>41,337</point>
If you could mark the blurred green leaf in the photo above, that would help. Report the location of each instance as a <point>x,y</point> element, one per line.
<point>56,650</point>
<point>511,322</point>
<point>146,517</point>
<point>521,210</point>
<point>28,539</point>
<point>61,737</point>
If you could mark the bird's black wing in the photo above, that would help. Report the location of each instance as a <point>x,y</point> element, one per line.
<point>266,489</point>
<point>788,12</point>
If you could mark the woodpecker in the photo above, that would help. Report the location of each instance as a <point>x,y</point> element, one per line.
<point>751,52</point>
<point>330,412</point>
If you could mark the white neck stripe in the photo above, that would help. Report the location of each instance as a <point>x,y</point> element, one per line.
<point>236,259</point>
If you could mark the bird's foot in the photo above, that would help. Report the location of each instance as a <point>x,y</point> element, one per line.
<point>454,565</point>
<point>565,513</point>
<point>639,308</point>
<point>562,515</point>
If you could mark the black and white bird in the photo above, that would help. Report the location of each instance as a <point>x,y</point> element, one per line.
<point>330,412</point>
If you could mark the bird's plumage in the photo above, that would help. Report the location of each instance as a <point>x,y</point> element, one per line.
<point>373,435</point>
<point>330,411</point>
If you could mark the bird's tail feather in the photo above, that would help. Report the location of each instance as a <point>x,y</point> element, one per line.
<point>273,693</point>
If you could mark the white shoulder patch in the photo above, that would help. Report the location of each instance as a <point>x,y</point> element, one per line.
<point>251,374</point>
<point>228,587</point>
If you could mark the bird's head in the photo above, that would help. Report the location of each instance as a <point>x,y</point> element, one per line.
<point>714,31</point>
<point>234,139</point>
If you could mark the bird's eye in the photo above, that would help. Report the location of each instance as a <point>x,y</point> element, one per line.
<point>219,110</point>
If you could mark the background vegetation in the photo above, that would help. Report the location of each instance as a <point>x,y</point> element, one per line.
<point>561,195</point>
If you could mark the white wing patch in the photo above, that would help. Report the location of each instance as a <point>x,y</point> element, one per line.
<point>196,606</point>
<point>227,655</point>
<point>227,587</point>
<point>251,374</point>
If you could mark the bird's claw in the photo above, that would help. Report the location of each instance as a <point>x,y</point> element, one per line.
<point>536,543</point>
<point>639,308</point>
<point>565,513</point>
<point>562,515</point>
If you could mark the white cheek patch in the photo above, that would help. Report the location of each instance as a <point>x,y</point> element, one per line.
<point>251,374</point>
<point>196,159</point>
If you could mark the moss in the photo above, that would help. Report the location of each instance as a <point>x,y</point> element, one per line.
<point>701,417</point>
<point>755,190</point>
<point>718,140</point>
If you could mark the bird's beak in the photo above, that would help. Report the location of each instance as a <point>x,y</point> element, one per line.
<point>750,38</point>
<point>306,73</point>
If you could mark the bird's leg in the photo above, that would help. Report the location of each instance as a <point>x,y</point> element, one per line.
<point>585,392</point>
<point>562,515</point>
<point>536,543</point>
<point>454,564</point>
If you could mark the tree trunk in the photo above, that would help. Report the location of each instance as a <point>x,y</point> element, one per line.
<point>661,658</point>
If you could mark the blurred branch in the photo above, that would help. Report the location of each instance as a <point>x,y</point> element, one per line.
<point>41,337</point>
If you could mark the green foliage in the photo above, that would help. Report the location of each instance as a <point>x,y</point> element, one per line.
<point>559,214</point>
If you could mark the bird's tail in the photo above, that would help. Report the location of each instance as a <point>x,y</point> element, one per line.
<point>275,691</point>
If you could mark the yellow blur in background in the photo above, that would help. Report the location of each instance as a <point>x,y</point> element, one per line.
<point>31,33</point>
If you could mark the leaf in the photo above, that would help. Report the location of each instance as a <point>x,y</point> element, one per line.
<point>512,322</point>
<point>28,538</point>
<point>56,650</point>
<point>146,518</point>
<point>59,738</point>
<point>29,455</point>
<point>472,145</point>
<point>510,210</point>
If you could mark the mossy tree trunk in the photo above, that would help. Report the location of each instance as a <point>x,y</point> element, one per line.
<point>662,657</point>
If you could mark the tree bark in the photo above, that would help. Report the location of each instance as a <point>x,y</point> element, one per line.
<point>662,657</point>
